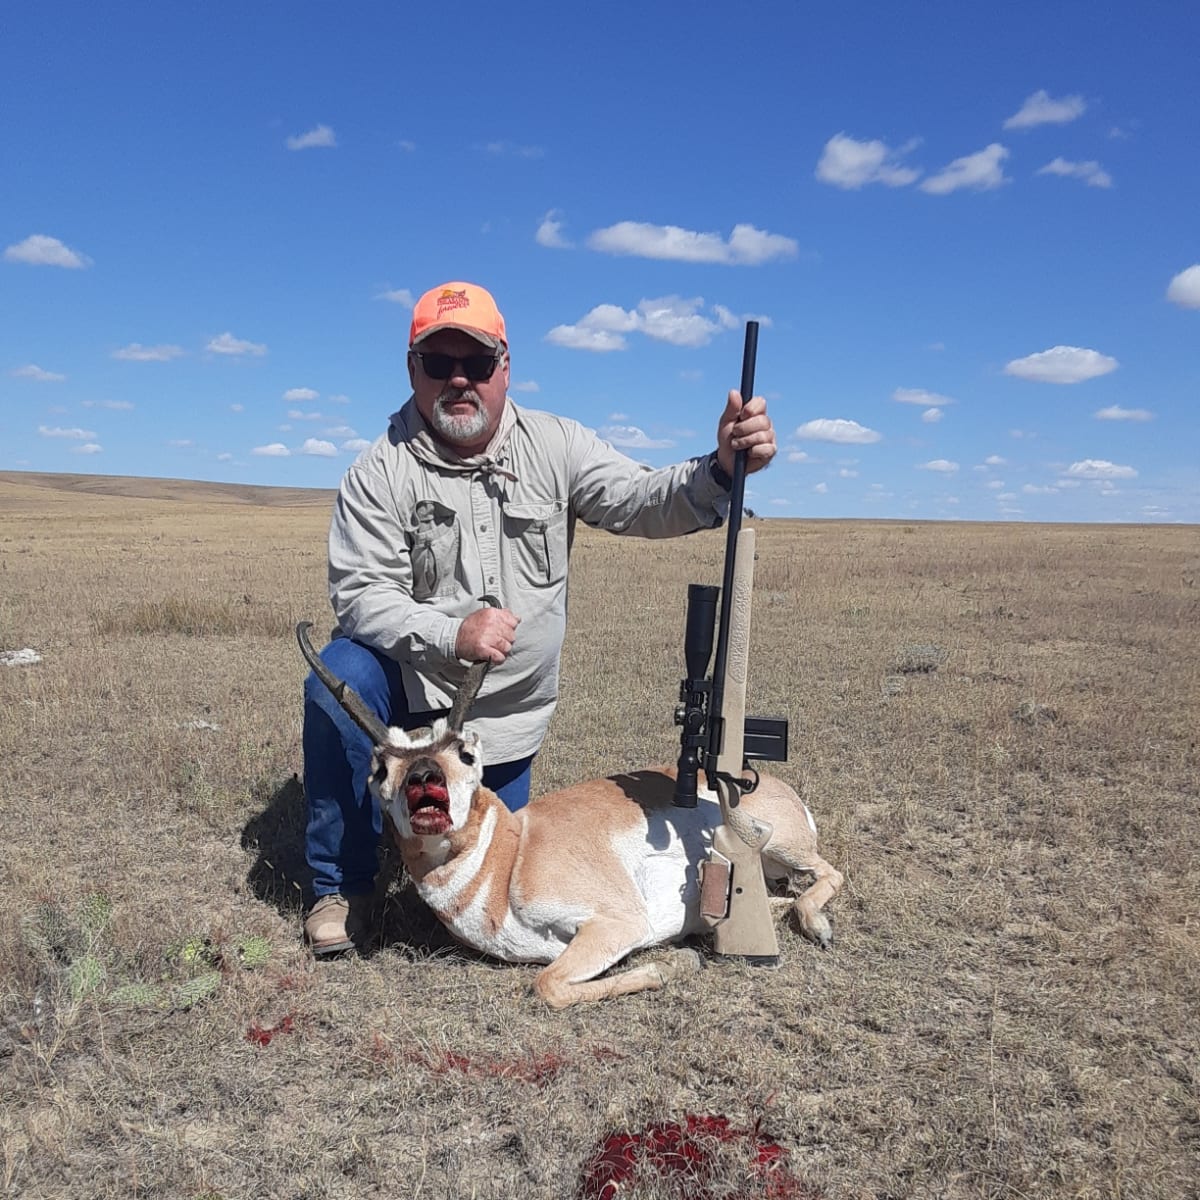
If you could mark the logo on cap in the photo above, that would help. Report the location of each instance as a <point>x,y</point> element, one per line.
<point>450,300</point>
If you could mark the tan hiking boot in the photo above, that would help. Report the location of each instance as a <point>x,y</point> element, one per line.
<point>325,927</point>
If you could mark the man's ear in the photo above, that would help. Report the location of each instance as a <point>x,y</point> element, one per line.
<point>504,366</point>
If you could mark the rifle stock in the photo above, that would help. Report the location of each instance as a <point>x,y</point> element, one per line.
<point>744,928</point>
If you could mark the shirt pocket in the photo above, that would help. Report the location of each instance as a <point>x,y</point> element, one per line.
<point>434,544</point>
<point>536,538</point>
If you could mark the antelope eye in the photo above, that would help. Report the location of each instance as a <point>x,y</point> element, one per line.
<point>466,756</point>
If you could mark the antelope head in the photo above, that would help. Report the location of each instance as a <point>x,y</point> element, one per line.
<point>424,779</point>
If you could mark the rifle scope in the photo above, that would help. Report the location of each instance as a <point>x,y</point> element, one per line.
<point>694,690</point>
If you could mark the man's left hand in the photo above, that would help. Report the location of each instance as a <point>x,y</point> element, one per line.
<point>745,427</point>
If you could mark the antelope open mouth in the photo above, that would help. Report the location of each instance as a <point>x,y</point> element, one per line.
<point>428,802</point>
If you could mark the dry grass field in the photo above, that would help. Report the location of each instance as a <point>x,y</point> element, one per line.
<point>1008,1011</point>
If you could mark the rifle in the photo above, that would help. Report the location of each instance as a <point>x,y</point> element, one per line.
<point>718,736</point>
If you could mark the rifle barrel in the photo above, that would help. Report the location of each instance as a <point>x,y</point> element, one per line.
<point>733,528</point>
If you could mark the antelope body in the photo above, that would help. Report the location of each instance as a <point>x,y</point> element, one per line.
<point>579,878</point>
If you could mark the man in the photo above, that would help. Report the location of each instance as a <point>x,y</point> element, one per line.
<point>468,497</point>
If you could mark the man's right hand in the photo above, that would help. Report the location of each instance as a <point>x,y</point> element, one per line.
<point>487,635</point>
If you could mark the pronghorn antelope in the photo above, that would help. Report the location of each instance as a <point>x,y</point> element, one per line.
<point>579,878</point>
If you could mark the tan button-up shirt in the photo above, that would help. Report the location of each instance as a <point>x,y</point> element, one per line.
<point>418,537</point>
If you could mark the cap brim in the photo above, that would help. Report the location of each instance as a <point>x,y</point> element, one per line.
<point>486,339</point>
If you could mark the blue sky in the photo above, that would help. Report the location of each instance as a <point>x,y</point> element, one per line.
<point>969,231</point>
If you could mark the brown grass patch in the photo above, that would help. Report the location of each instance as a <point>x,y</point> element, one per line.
<point>994,725</point>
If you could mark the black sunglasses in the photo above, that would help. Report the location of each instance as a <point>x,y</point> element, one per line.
<point>476,367</point>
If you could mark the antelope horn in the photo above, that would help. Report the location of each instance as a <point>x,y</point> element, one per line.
<point>471,685</point>
<point>346,696</point>
<point>466,695</point>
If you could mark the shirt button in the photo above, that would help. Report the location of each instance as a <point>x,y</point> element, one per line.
<point>483,529</point>
<point>491,579</point>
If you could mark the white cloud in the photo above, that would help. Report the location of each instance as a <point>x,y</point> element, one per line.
<point>678,321</point>
<point>180,443</point>
<point>727,320</point>
<point>940,465</point>
<point>630,437</point>
<point>342,431</point>
<point>995,460</point>
<point>237,408</point>
<point>55,431</point>
<point>338,398</point>
<point>38,250</point>
<point>747,246</point>
<point>549,232</point>
<point>932,415</point>
<point>920,396</point>
<point>673,319</point>
<point>600,330</point>
<point>355,445</point>
<point>225,456</point>
<point>1041,109</point>
<point>33,371</point>
<point>274,450</point>
<point>981,172</point>
<point>397,296</point>
<point>88,448</point>
<point>226,343</point>
<point>1034,489</point>
<point>800,456</point>
<point>300,395</point>
<point>826,429</point>
<point>319,448</point>
<point>136,352</point>
<point>318,136</point>
<point>1184,289</point>
<point>296,415</point>
<point>1114,412</point>
<point>116,405</point>
<point>847,473</point>
<point>821,488</point>
<point>996,485</point>
<point>1062,364</point>
<point>1098,468</point>
<point>850,164</point>
<point>1092,173</point>
<point>526,385</point>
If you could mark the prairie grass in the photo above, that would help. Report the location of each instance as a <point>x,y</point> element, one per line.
<point>995,726</point>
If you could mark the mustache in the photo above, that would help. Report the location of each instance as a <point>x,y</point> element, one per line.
<point>454,395</point>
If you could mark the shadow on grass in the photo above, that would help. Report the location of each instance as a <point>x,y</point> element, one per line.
<point>281,877</point>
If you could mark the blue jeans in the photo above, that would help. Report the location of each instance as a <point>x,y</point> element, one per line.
<point>344,821</point>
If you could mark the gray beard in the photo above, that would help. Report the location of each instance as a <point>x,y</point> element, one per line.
<point>457,429</point>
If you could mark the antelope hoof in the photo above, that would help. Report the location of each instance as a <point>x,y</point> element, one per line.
<point>817,929</point>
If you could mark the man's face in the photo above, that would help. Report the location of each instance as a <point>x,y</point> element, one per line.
<point>462,415</point>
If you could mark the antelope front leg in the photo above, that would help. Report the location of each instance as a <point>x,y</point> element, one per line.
<point>808,903</point>
<point>598,944</point>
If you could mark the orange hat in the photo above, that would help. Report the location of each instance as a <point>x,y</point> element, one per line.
<point>464,306</point>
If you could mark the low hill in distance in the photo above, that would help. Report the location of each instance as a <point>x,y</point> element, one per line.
<point>21,483</point>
